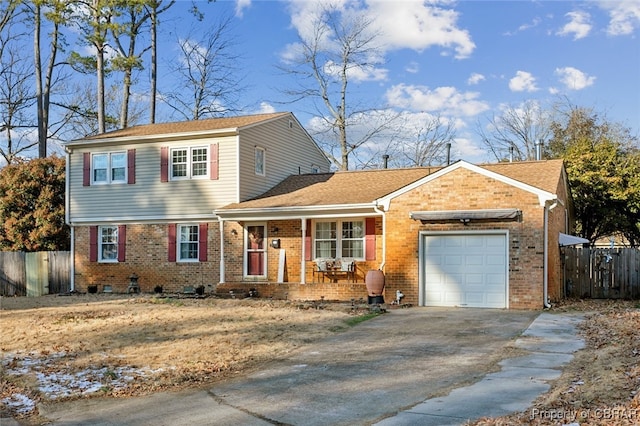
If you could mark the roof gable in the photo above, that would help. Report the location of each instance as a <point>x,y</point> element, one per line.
<point>535,172</point>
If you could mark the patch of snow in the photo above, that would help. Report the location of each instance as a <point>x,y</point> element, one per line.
<point>55,383</point>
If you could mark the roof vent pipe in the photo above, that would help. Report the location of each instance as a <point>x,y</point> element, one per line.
<point>539,150</point>
<point>448,153</point>
<point>511,154</point>
<point>385,160</point>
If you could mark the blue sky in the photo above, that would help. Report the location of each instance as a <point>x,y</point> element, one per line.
<point>464,60</point>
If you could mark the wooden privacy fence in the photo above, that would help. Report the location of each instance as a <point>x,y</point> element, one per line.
<point>34,274</point>
<point>601,273</point>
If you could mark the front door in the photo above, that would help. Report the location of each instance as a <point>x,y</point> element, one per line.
<point>256,260</point>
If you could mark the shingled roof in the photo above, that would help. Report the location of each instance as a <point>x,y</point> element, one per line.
<point>204,125</point>
<point>365,186</point>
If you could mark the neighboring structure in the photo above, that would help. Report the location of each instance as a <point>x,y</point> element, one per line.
<point>140,200</point>
<point>248,203</point>
<point>462,235</point>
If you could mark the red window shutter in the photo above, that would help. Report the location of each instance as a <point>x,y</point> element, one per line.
<point>370,238</point>
<point>164,164</point>
<point>307,241</point>
<point>122,242</point>
<point>93,244</point>
<point>203,242</point>
<point>213,161</point>
<point>131,166</point>
<point>171,232</point>
<point>86,169</point>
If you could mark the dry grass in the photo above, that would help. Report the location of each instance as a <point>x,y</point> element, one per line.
<point>137,345</point>
<point>601,386</point>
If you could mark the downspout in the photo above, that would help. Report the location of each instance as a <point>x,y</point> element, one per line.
<point>303,265</point>
<point>67,220</point>
<point>221,251</point>
<point>545,285</point>
<point>384,236</point>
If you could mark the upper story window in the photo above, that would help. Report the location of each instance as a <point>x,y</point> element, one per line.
<point>260,161</point>
<point>340,239</point>
<point>109,167</point>
<point>108,243</point>
<point>190,162</point>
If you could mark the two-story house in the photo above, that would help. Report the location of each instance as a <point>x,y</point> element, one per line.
<point>140,200</point>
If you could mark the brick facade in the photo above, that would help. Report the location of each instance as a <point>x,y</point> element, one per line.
<point>461,189</point>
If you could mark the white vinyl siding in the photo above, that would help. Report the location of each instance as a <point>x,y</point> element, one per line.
<point>288,151</point>
<point>149,198</point>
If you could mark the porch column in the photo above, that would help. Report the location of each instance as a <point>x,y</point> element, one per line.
<point>303,271</point>
<point>221,251</point>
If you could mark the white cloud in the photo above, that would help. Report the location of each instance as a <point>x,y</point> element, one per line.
<point>266,108</point>
<point>574,79</point>
<point>579,25</point>
<point>241,5</point>
<point>358,73</point>
<point>446,100</point>
<point>475,78</point>
<point>424,24</point>
<point>624,16</point>
<point>523,82</point>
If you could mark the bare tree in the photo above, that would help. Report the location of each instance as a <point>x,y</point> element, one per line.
<point>208,74</point>
<point>515,133</point>
<point>340,48</point>
<point>424,140</point>
<point>16,99</point>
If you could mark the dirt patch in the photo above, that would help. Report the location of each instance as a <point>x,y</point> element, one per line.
<point>601,386</point>
<point>56,348</point>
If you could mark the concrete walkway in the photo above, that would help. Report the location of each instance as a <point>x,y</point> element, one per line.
<point>551,340</point>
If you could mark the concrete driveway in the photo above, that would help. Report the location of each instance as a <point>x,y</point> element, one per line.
<point>357,377</point>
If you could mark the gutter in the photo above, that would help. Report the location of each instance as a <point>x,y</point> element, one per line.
<point>67,220</point>
<point>384,236</point>
<point>545,282</point>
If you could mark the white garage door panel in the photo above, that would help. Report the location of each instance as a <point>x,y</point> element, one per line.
<point>465,270</point>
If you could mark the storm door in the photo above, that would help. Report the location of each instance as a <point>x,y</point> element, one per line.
<point>255,250</point>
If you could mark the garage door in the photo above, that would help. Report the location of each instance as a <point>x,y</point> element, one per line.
<point>468,270</point>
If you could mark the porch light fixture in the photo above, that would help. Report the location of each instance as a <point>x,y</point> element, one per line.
<point>234,232</point>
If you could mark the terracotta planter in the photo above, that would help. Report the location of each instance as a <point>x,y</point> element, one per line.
<point>374,280</point>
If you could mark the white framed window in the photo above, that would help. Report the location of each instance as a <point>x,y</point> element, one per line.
<point>109,167</point>
<point>189,163</point>
<point>188,243</point>
<point>260,155</point>
<point>108,243</point>
<point>339,239</point>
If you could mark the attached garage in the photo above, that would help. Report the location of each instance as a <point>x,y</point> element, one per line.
<point>466,269</point>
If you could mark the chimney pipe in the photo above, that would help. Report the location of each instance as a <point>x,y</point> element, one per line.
<point>539,150</point>
<point>448,153</point>
<point>511,154</point>
<point>385,160</point>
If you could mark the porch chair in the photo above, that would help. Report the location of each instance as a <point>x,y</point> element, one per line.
<point>321,268</point>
